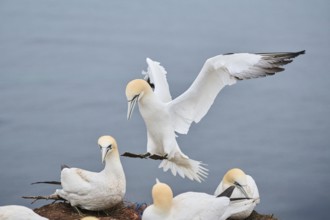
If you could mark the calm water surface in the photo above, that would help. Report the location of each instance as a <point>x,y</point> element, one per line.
<point>64,66</point>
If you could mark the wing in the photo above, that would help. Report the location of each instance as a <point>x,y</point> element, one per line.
<point>75,180</point>
<point>194,205</point>
<point>227,193</point>
<point>156,75</point>
<point>218,190</point>
<point>239,209</point>
<point>218,72</point>
<point>64,166</point>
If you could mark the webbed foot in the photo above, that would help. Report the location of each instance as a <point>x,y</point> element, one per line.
<point>158,157</point>
<point>142,156</point>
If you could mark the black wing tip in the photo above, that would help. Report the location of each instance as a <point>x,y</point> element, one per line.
<point>277,54</point>
<point>148,80</point>
<point>225,54</point>
<point>287,55</point>
<point>47,182</point>
<point>227,192</point>
<point>63,166</point>
<point>295,54</point>
<point>301,52</point>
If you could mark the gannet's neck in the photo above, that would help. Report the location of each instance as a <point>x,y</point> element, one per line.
<point>149,99</point>
<point>112,164</point>
<point>151,106</point>
<point>164,207</point>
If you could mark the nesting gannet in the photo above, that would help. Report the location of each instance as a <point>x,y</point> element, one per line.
<point>189,205</point>
<point>96,191</point>
<point>17,212</point>
<point>245,187</point>
<point>91,190</point>
<point>164,116</point>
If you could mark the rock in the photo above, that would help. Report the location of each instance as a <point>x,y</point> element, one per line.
<point>62,210</point>
<point>256,216</point>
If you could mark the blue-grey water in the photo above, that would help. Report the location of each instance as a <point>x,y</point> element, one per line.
<point>64,66</point>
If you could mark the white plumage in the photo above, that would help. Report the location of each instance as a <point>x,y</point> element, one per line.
<point>164,116</point>
<point>245,186</point>
<point>96,191</point>
<point>17,212</point>
<point>189,205</point>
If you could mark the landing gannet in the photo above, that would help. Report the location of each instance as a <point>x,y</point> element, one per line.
<point>90,190</point>
<point>164,116</point>
<point>189,205</point>
<point>17,212</point>
<point>245,187</point>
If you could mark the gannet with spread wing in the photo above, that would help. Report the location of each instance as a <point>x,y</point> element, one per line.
<point>164,116</point>
<point>245,187</point>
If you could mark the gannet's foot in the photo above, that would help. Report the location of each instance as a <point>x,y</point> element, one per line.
<point>36,198</point>
<point>80,213</point>
<point>142,156</point>
<point>158,157</point>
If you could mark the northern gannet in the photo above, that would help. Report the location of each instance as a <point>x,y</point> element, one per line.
<point>245,187</point>
<point>189,205</point>
<point>164,117</point>
<point>90,190</point>
<point>17,212</point>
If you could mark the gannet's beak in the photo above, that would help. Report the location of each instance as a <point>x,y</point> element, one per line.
<point>241,188</point>
<point>104,151</point>
<point>131,105</point>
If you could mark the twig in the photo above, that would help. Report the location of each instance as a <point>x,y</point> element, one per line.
<point>50,197</point>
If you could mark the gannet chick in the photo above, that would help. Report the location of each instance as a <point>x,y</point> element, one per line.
<point>164,117</point>
<point>189,205</point>
<point>96,191</point>
<point>17,212</point>
<point>245,187</point>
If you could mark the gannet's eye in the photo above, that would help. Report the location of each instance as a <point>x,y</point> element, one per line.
<point>100,147</point>
<point>109,147</point>
<point>237,184</point>
<point>135,97</point>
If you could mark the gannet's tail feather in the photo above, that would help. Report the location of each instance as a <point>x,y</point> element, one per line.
<point>185,167</point>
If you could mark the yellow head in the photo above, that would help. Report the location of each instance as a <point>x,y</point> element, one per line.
<point>136,87</point>
<point>162,195</point>
<point>135,90</point>
<point>107,145</point>
<point>236,177</point>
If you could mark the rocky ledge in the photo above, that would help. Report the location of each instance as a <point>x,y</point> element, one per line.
<point>127,211</point>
